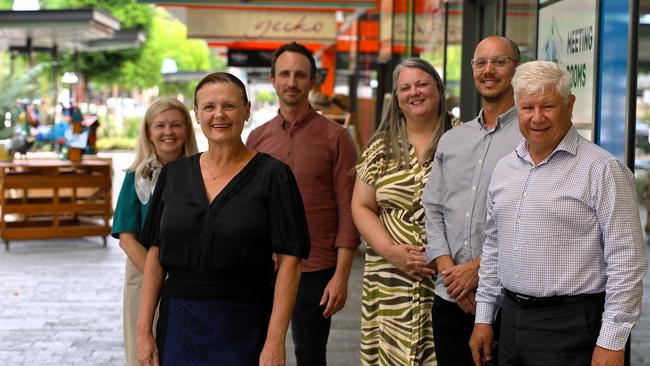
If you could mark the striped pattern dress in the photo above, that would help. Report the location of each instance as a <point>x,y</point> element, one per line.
<point>396,325</point>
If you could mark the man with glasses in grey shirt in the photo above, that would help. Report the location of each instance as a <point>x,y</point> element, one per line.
<point>454,198</point>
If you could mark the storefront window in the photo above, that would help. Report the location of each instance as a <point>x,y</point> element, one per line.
<point>521,25</point>
<point>642,137</point>
<point>454,55</point>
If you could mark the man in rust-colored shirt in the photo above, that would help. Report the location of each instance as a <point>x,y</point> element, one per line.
<point>322,156</point>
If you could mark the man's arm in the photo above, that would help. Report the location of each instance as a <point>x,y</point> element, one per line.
<point>343,176</point>
<point>434,222</point>
<point>461,280</point>
<point>347,236</point>
<point>624,254</point>
<point>488,290</point>
<point>336,291</point>
<point>489,287</point>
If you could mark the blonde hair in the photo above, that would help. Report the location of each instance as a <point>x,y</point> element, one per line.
<point>392,129</point>
<point>145,149</point>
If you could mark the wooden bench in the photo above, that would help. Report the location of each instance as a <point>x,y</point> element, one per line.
<point>49,198</point>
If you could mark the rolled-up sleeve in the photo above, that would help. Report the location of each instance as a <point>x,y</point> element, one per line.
<point>433,210</point>
<point>347,235</point>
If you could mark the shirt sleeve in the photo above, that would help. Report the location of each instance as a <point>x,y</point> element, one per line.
<point>433,210</point>
<point>624,253</point>
<point>126,218</point>
<point>370,163</point>
<point>289,232</point>
<point>347,235</point>
<point>151,229</point>
<point>489,286</point>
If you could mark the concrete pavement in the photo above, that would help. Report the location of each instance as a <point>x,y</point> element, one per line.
<point>61,304</point>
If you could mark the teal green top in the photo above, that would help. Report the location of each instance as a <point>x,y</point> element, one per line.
<point>130,213</point>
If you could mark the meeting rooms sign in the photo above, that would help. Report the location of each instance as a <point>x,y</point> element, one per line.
<point>567,35</point>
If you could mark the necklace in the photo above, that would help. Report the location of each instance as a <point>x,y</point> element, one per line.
<point>226,168</point>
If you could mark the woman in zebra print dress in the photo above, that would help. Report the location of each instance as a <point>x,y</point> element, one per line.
<point>398,288</point>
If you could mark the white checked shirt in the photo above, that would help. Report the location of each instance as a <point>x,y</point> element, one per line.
<point>566,226</point>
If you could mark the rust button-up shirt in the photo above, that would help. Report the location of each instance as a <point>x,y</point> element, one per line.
<point>322,156</point>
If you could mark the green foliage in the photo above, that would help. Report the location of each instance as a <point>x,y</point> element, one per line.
<point>103,66</point>
<point>139,68</point>
<point>265,96</point>
<point>132,127</point>
<point>15,87</point>
<point>130,14</point>
<point>116,143</point>
<point>167,39</point>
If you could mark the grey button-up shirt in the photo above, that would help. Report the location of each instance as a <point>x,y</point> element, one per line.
<point>455,195</point>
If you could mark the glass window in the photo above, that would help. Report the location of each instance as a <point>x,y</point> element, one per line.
<point>521,26</point>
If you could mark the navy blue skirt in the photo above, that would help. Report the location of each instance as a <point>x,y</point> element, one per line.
<point>210,332</point>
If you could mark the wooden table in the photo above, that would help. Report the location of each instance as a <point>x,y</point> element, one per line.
<point>50,198</point>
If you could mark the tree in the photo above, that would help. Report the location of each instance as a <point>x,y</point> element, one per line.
<point>168,39</point>
<point>13,88</point>
<point>138,68</point>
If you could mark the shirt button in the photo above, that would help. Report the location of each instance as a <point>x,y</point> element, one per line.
<point>480,161</point>
<point>466,242</point>
<point>524,194</point>
<point>516,248</point>
<point>473,188</point>
<point>467,214</point>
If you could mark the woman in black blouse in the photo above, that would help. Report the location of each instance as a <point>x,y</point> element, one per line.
<point>215,220</point>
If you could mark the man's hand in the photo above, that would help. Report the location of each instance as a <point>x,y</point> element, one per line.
<point>607,357</point>
<point>461,279</point>
<point>467,303</point>
<point>334,295</point>
<point>481,343</point>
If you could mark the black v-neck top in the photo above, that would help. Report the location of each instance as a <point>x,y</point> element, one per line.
<point>259,212</point>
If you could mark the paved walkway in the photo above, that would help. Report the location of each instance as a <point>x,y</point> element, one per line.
<point>61,303</point>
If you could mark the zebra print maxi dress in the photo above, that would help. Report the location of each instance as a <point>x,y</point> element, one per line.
<point>396,325</point>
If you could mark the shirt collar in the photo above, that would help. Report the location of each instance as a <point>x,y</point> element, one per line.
<point>569,143</point>
<point>502,120</point>
<point>299,123</point>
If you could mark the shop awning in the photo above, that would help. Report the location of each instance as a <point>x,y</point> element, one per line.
<point>67,30</point>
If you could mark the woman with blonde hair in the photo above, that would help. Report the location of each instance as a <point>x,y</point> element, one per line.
<point>166,134</point>
<point>396,327</point>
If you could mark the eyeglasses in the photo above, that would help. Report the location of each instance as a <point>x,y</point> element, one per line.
<point>498,62</point>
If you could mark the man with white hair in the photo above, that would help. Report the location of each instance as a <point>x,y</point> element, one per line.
<point>563,239</point>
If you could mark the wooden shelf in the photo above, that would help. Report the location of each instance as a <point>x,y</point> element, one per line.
<point>48,198</point>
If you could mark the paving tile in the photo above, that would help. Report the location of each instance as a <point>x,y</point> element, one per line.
<point>61,304</point>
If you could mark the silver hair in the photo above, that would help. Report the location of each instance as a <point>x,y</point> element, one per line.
<point>535,76</point>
